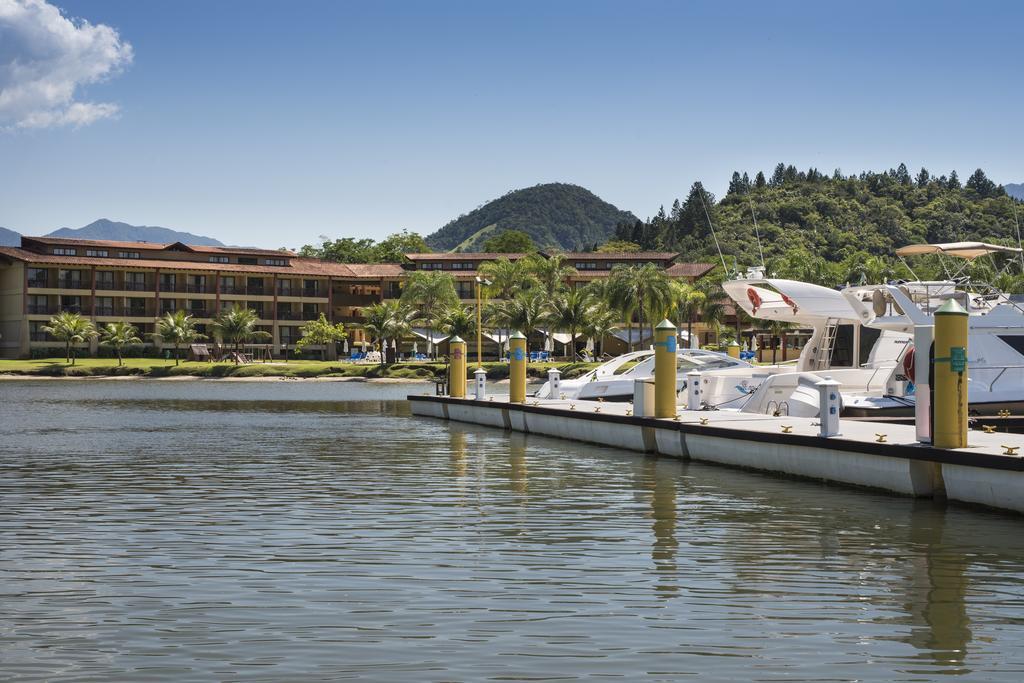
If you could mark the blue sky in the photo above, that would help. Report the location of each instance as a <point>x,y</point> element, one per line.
<point>272,123</point>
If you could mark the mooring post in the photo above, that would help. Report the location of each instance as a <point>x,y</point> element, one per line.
<point>923,337</point>
<point>693,390</point>
<point>665,369</point>
<point>480,375</point>
<point>457,384</point>
<point>555,383</point>
<point>829,407</point>
<point>517,368</point>
<point>949,426</point>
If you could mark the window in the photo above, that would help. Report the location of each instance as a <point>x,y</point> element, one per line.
<point>103,305</point>
<point>465,290</point>
<point>585,265</point>
<point>104,279</point>
<point>38,304</point>
<point>219,259</point>
<point>289,335</point>
<point>70,278</point>
<point>137,308</point>
<point>64,251</point>
<point>37,277</point>
<point>430,266</point>
<point>247,260</point>
<point>276,262</point>
<point>36,332</point>
<point>127,254</point>
<point>135,282</point>
<point>96,252</point>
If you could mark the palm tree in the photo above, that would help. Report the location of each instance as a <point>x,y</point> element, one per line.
<point>459,321</point>
<point>552,272</point>
<point>688,301</point>
<point>237,326</point>
<point>387,320</point>
<point>429,293</point>
<point>645,290</point>
<point>507,277</point>
<point>601,321</point>
<point>119,335</point>
<point>526,311</point>
<point>570,311</point>
<point>70,328</point>
<point>712,308</point>
<point>177,328</point>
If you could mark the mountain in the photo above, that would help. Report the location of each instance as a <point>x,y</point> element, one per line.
<point>104,229</point>
<point>1015,190</point>
<point>809,217</point>
<point>555,215</point>
<point>9,238</point>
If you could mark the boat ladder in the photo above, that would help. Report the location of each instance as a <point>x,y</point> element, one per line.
<point>823,354</point>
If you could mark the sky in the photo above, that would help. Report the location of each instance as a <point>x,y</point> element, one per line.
<point>270,124</point>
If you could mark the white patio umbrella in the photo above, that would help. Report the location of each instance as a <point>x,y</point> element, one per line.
<point>415,347</point>
<point>344,346</point>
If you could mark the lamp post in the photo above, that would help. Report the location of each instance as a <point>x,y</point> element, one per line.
<point>479,325</point>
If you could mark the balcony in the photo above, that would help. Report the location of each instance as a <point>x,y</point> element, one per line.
<point>257,291</point>
<point>106,285</point>
<point>134,286</point>
<point>356,299</point>
<point>38,282</point>
<point>71,308</point>
<point>290,315</point>
<point>39,336</point>
<point>284,291</point>
<point>197,312</point>
<point>71,283</point>
<point>235,290</point>
<point>198,289</point>
<point>44,309</point>
<point>311,291</point>
<point>103,310</point>
<point>137,313</point>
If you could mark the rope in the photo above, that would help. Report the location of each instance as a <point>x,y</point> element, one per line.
<point>725,269</point>
<point>757,233</point>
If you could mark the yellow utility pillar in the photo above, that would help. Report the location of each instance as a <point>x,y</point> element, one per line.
<point>734,349</point>
<point>665,369</point>
<point>517,368</point>
<point>457,377</point>
<point>949,424</point>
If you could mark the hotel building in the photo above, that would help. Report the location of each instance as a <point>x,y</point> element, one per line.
<point>139,282</point>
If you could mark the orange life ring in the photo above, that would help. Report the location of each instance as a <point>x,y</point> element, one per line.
<point>791,304</point>
<point>908,365</point>
<point>755,298</point>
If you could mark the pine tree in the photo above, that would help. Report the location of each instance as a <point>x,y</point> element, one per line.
<point>759,181</point>
<point>923,177</point>
<point>979,183</point>
<point>902,175</point>
<point>954,181</point>
<point>778,176</point>
<point>736,184</point>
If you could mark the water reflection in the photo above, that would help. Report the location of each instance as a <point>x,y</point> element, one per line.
<point>293,536</point>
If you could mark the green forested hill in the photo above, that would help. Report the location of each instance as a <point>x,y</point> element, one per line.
<point>554,215</point>
<point>808,216</point>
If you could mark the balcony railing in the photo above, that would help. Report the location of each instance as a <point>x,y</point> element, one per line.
<point>232,289</point>
<point>38,336</point>
<point>70,283</point>
<point>38,282</point>
<point>289,315</point>
<point>107,285</point>
<point>199,312</point>
<point>198,289</point>
<point>44,309</point>
<point>71,308</point>
<point>258,291</point>
<point>136,313</point>
<point>311,291</point>
<point>103,310</point>
<point>284,291</point>
<point>134,286</point>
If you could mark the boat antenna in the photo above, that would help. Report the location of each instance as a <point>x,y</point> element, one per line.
<point>725,268</point>
<point>1013,203</point>
<point>757,233</point>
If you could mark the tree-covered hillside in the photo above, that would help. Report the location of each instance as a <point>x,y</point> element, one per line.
<point>553,215</point>
<point>834,218</point>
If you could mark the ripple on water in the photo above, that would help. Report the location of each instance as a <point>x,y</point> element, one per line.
<point>207,531</point>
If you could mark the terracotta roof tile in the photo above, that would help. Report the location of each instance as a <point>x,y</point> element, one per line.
<point>689,269</point>
<point>462,256</point>
<point>113,244</point>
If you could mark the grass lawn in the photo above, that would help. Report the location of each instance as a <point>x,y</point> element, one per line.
<point>158,367</point>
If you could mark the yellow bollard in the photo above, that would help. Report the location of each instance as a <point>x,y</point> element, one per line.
<point>949,421</point>
<point>457,376</point>
<point>733,349</point>
<point>517,368</point>
<point>665,369</point>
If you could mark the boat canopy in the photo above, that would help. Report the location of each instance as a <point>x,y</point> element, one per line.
<point>964,250</point>
<point>789,300</point>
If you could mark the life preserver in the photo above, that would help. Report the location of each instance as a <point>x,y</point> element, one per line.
<point>755,298</point>
<point>791,304</point>
<point>908,364</point>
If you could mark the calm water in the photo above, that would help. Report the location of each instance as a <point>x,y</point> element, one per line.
<point>180,531</point>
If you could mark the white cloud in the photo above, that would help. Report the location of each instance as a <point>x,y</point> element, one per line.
<point>45,57</point>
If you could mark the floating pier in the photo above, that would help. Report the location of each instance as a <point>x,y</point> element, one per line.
<point>880,456</point>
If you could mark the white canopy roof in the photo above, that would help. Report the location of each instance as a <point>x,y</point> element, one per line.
<point>435,336</point>
<point>789,300</point>
<point>964,250</point>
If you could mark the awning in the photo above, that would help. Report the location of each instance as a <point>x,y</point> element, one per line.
<point>498,336</point>
<point>964,250</point>
<point>433,336</point>
<point>560,337</point>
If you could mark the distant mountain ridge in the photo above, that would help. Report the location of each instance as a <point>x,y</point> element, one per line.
<point>105,229</point>
<point>1015,190</point>
<point>555,215</point>
<point>9,238</point>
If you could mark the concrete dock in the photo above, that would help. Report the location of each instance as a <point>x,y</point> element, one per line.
<point>880,456</point>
